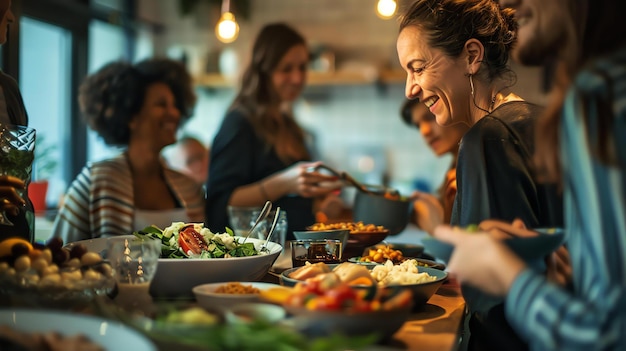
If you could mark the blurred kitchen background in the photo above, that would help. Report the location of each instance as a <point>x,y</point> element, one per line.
<point>351,106</point>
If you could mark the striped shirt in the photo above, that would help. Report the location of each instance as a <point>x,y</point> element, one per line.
<point>100,201</point>
<point>593,315</point>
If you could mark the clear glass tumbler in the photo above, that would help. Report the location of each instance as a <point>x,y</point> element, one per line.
<point>315,251</point>
<point>280,232</point>
<point>134,263</point>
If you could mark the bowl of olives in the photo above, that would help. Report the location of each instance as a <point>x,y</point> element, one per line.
<point>50,275</point>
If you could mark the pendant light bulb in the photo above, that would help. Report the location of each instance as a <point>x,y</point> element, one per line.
<point>227,28</point>
<point>385,9</point>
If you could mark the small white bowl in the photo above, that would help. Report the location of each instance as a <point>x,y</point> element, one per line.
<point>207,297</point>
<point>250,312</point>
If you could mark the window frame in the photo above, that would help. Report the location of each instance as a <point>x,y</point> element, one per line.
<point>74,16</point>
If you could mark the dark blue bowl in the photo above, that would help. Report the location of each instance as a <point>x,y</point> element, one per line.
<point>527,248</point>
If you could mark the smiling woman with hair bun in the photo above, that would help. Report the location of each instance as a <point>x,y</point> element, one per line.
<point>455,54</point>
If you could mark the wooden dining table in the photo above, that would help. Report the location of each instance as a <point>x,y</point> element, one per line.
<point>436,326</point>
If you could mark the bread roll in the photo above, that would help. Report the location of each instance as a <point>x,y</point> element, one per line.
<point>309,271</point>
<point>348,272</point>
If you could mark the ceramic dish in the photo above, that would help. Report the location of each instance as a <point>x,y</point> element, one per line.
<point>527,248</point>
<point>365,239</point>
<point>59,296</point>
<point>408,250</point>
<point>420,262</point>
<point>175,278</point>
<point>422,292</point>
<point>383,324</point>
<point>358,241</point>
<point>207,297</point>
<point>110,335</point>
<point>380,210</point>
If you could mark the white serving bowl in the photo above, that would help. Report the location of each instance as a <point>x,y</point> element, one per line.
<point>176,277</point>
<point>209,299</point>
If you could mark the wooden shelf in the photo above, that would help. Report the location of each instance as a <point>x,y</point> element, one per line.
<point>214,80</point>
<point>218,81</point>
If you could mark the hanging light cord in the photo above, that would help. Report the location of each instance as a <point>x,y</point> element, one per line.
<point>225,6</point>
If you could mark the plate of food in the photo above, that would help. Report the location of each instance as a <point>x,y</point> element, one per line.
<point>50,276</point>
<point>419,261</point>
<point>422,281</point>
<point>222,296</point>
<point>181,325</point>
<point>324,305</point>
<point>407,250</point>
<point>39,329</point>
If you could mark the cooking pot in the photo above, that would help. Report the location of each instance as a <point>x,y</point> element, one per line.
<point>376,209</point>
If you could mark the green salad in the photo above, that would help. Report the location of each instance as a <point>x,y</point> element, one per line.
<point>193,240</point>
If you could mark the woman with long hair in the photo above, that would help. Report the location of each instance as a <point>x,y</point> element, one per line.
<point>260,152</point>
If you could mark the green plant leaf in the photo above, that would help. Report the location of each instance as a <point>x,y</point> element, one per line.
<point>45,162</point>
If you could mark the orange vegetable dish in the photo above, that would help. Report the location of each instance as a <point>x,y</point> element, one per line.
<point>236,288</point>
<point>355,227</point>
<point>382,253</point>
<point>328,293</point>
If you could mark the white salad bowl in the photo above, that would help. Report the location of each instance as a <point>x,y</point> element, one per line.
<point>175,277</point>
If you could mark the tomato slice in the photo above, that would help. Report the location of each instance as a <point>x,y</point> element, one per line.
<point>190,240</point>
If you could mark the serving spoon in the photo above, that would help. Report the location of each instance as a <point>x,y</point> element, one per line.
<point>271,231</point>
<point>350,179</point>
<point>265,211</point>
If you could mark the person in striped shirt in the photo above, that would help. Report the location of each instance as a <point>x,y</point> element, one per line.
<point>581,142</point>
<point>138,107</point>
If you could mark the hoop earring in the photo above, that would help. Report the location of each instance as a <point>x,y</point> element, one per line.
<point>474,96</point>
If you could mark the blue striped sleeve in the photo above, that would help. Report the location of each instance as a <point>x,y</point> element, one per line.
<point>549,318</point>
<point>593,315</point>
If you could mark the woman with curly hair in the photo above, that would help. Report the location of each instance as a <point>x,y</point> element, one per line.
<point>260,153</point>
<point>138,107</point>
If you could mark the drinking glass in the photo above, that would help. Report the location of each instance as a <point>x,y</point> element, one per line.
<point>134,263</point>
<point>315,251</point>
<point>17,152</point>
<point>280,232</point>
<point>242,218</point>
